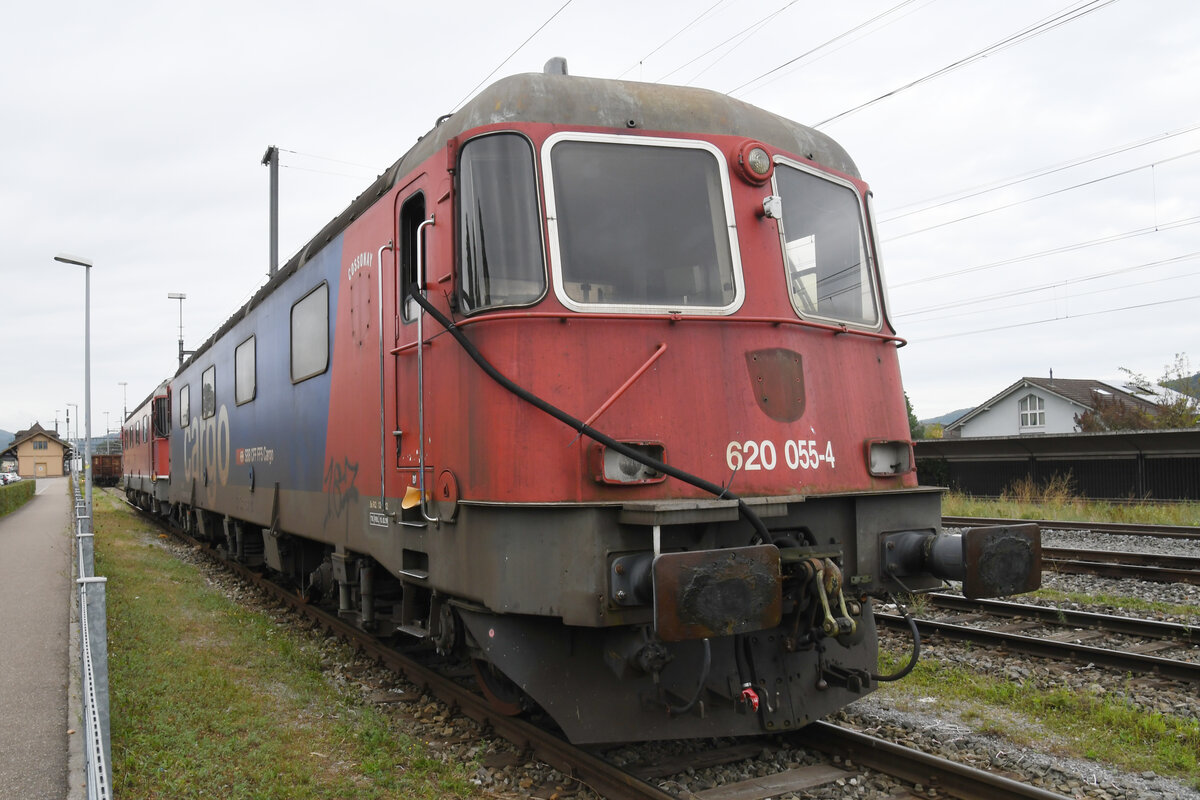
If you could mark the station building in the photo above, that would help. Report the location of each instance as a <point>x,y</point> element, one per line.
<point>37,452</point>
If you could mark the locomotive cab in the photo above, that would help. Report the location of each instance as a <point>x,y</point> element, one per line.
<point>715,302</point>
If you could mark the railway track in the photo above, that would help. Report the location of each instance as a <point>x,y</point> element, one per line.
<point>1131,529</point>
<point>950,778</point>
<point>1074,628</point>
<point>1154,567</point>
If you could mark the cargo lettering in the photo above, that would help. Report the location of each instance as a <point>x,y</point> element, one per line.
<point>360,261</point>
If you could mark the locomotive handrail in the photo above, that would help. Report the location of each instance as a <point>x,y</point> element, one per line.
<point>420,265</point>
<point>382,403</point>
<point>559,316</point>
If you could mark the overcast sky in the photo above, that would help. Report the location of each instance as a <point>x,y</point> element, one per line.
<point>132,134</point>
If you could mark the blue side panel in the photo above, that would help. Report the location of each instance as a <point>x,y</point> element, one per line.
<point>279,435</point>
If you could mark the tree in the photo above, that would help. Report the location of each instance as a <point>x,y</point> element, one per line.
<point>1176,408</point>
<point>1111,414</point>
<point>1181,409</point>
<point>915,429</point>
<point>1172,409</point>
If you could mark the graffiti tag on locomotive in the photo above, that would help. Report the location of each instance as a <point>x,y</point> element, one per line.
<point>595,388</point>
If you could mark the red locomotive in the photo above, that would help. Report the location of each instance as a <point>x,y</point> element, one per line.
<point>145,438</point>
<point>594,387</point>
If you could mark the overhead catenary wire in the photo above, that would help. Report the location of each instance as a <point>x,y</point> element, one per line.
<point>1116,237</point>
<point>1070,14</point>
<point>1133,307</point>
<point>1043,287</point>
<point>499,66</point>
<point>1091,182</point>
<point>672,38</point>
<point>821,46</point>
<point>744,34</point>
<point>949,198</point>
<point>327,158</point>
<point>1042,301</point>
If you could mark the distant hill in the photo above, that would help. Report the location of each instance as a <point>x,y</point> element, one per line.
<point>1189,386</point>
<point>948,418</point>
<point>5,439</point>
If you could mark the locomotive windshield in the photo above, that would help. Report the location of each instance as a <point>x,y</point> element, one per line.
<point>641,224</point>
<point>500,237</point>
<point>829,274</point>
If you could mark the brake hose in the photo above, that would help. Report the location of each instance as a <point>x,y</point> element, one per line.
<point>577,425</point>
<point>916,652</point>
<point>706,665</point>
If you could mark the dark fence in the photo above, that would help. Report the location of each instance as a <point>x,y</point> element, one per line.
<point>1159,465</point>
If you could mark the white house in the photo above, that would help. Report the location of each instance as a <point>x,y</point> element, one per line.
<point>1039,405</point>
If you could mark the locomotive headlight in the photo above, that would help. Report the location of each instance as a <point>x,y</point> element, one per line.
<point>754,163</point>
<point>758,161</point>
<point>889,457</point>
<point>609,466</point>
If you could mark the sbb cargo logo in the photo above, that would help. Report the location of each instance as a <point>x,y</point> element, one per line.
<point>255,455</point>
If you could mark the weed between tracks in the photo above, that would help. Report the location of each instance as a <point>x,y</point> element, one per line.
<point>1055,500</point>
<point>209,699</point>
<point>1125,602</point>
<point>1092,725</point>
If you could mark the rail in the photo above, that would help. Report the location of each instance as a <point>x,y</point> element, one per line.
<point>1132,529</point>
<point>93,654</point>
<point>1049,647</point>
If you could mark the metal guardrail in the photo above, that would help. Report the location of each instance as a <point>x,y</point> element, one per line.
<point>93,649</point>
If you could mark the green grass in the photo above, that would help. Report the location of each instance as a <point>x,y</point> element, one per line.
<point>959,505</point>
<point>1100,726</point>
<point>1055,500</point>
<point>209,699</point>
<point>1137,604</point>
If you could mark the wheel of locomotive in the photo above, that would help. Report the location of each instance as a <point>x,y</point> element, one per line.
<point>504,696</point>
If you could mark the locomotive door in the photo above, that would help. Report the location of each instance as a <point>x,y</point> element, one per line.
<point>407,358</point>
<point>161,424</point>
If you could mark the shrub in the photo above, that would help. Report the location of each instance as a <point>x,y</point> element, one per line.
<point>15,495</point>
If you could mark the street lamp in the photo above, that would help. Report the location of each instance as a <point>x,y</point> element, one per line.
<point>124,401</point>
<point>180,296</point>
<point>74,439</point>
<point>87,373</point>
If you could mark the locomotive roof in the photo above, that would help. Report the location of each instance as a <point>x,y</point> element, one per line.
<point>570,101</point>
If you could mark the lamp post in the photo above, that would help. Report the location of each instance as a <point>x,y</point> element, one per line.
<point>180,296</point>
<point>74,439</point>
<point>87,374</point>
<point>124,401</point>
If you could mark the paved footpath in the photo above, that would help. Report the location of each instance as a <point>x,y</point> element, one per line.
<point>36,587</point>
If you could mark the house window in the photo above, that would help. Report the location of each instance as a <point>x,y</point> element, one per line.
<point>1033,411</point>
